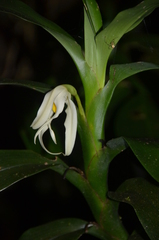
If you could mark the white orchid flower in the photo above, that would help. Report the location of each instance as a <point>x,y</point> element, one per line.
<point>52,105</point>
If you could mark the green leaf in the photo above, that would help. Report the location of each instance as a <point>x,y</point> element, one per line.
<point>90,45</point>
<point>124,22</point>
<point>102,99</point>
<point>92,24</point>
<point>97,171</point>
<point>63,229</point>
<point>98,232</point>
<point>69,228</point>
<point>16,165</point>
<point>37,86</point>
<point>93,14</point>
<point>143,196</point>
<point>120,72</point>
<point>23,11</point>
<point>147,152</point>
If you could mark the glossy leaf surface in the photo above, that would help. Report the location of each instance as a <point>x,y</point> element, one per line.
<point>37,86</point>
<point>89,42</point>
<point>147,152</point>
<point>97,173</point>
<point>143,196</point>
<point>16,165</point>
<point>92,24</point>
<point>23,11</point>
<point>100,165</point>
<point>102,99</point>
<point>120,72</point>
<point>61,229</point>
<point>122,23</point>
<point>94,16</point>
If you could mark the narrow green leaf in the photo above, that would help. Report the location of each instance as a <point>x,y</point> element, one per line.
<point>92,24</point>
<point>100,102</point>
<point>23,11</point>
<point>97,171</point>
<point>63,229</point>
<point>90,45</point>
<point>143,196</point>
<point>93,14</point>
<point>69,228</point>
<point>119,72</point>
<point>98,108</point>
<point>97,232</point>
<point>37,86</point>
<point>147,152</point>
<point>16,165</point>
<point>97,111</point>
<point>124,22</point>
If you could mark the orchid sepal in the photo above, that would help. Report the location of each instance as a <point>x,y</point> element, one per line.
<point>51,107</point>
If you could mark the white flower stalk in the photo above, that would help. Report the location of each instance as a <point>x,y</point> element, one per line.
<point>52,105</point>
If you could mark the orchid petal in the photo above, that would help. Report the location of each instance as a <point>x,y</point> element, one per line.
<point>71,127</point>
<point>40,136</point>
<point>43,146</point>
<point>45,110</point>
<point>43,113</point>
<point>41,130</point>
<point>52,134</point>
<point>57,97</point>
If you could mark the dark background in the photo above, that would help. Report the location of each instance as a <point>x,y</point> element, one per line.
<point>27,52</point>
